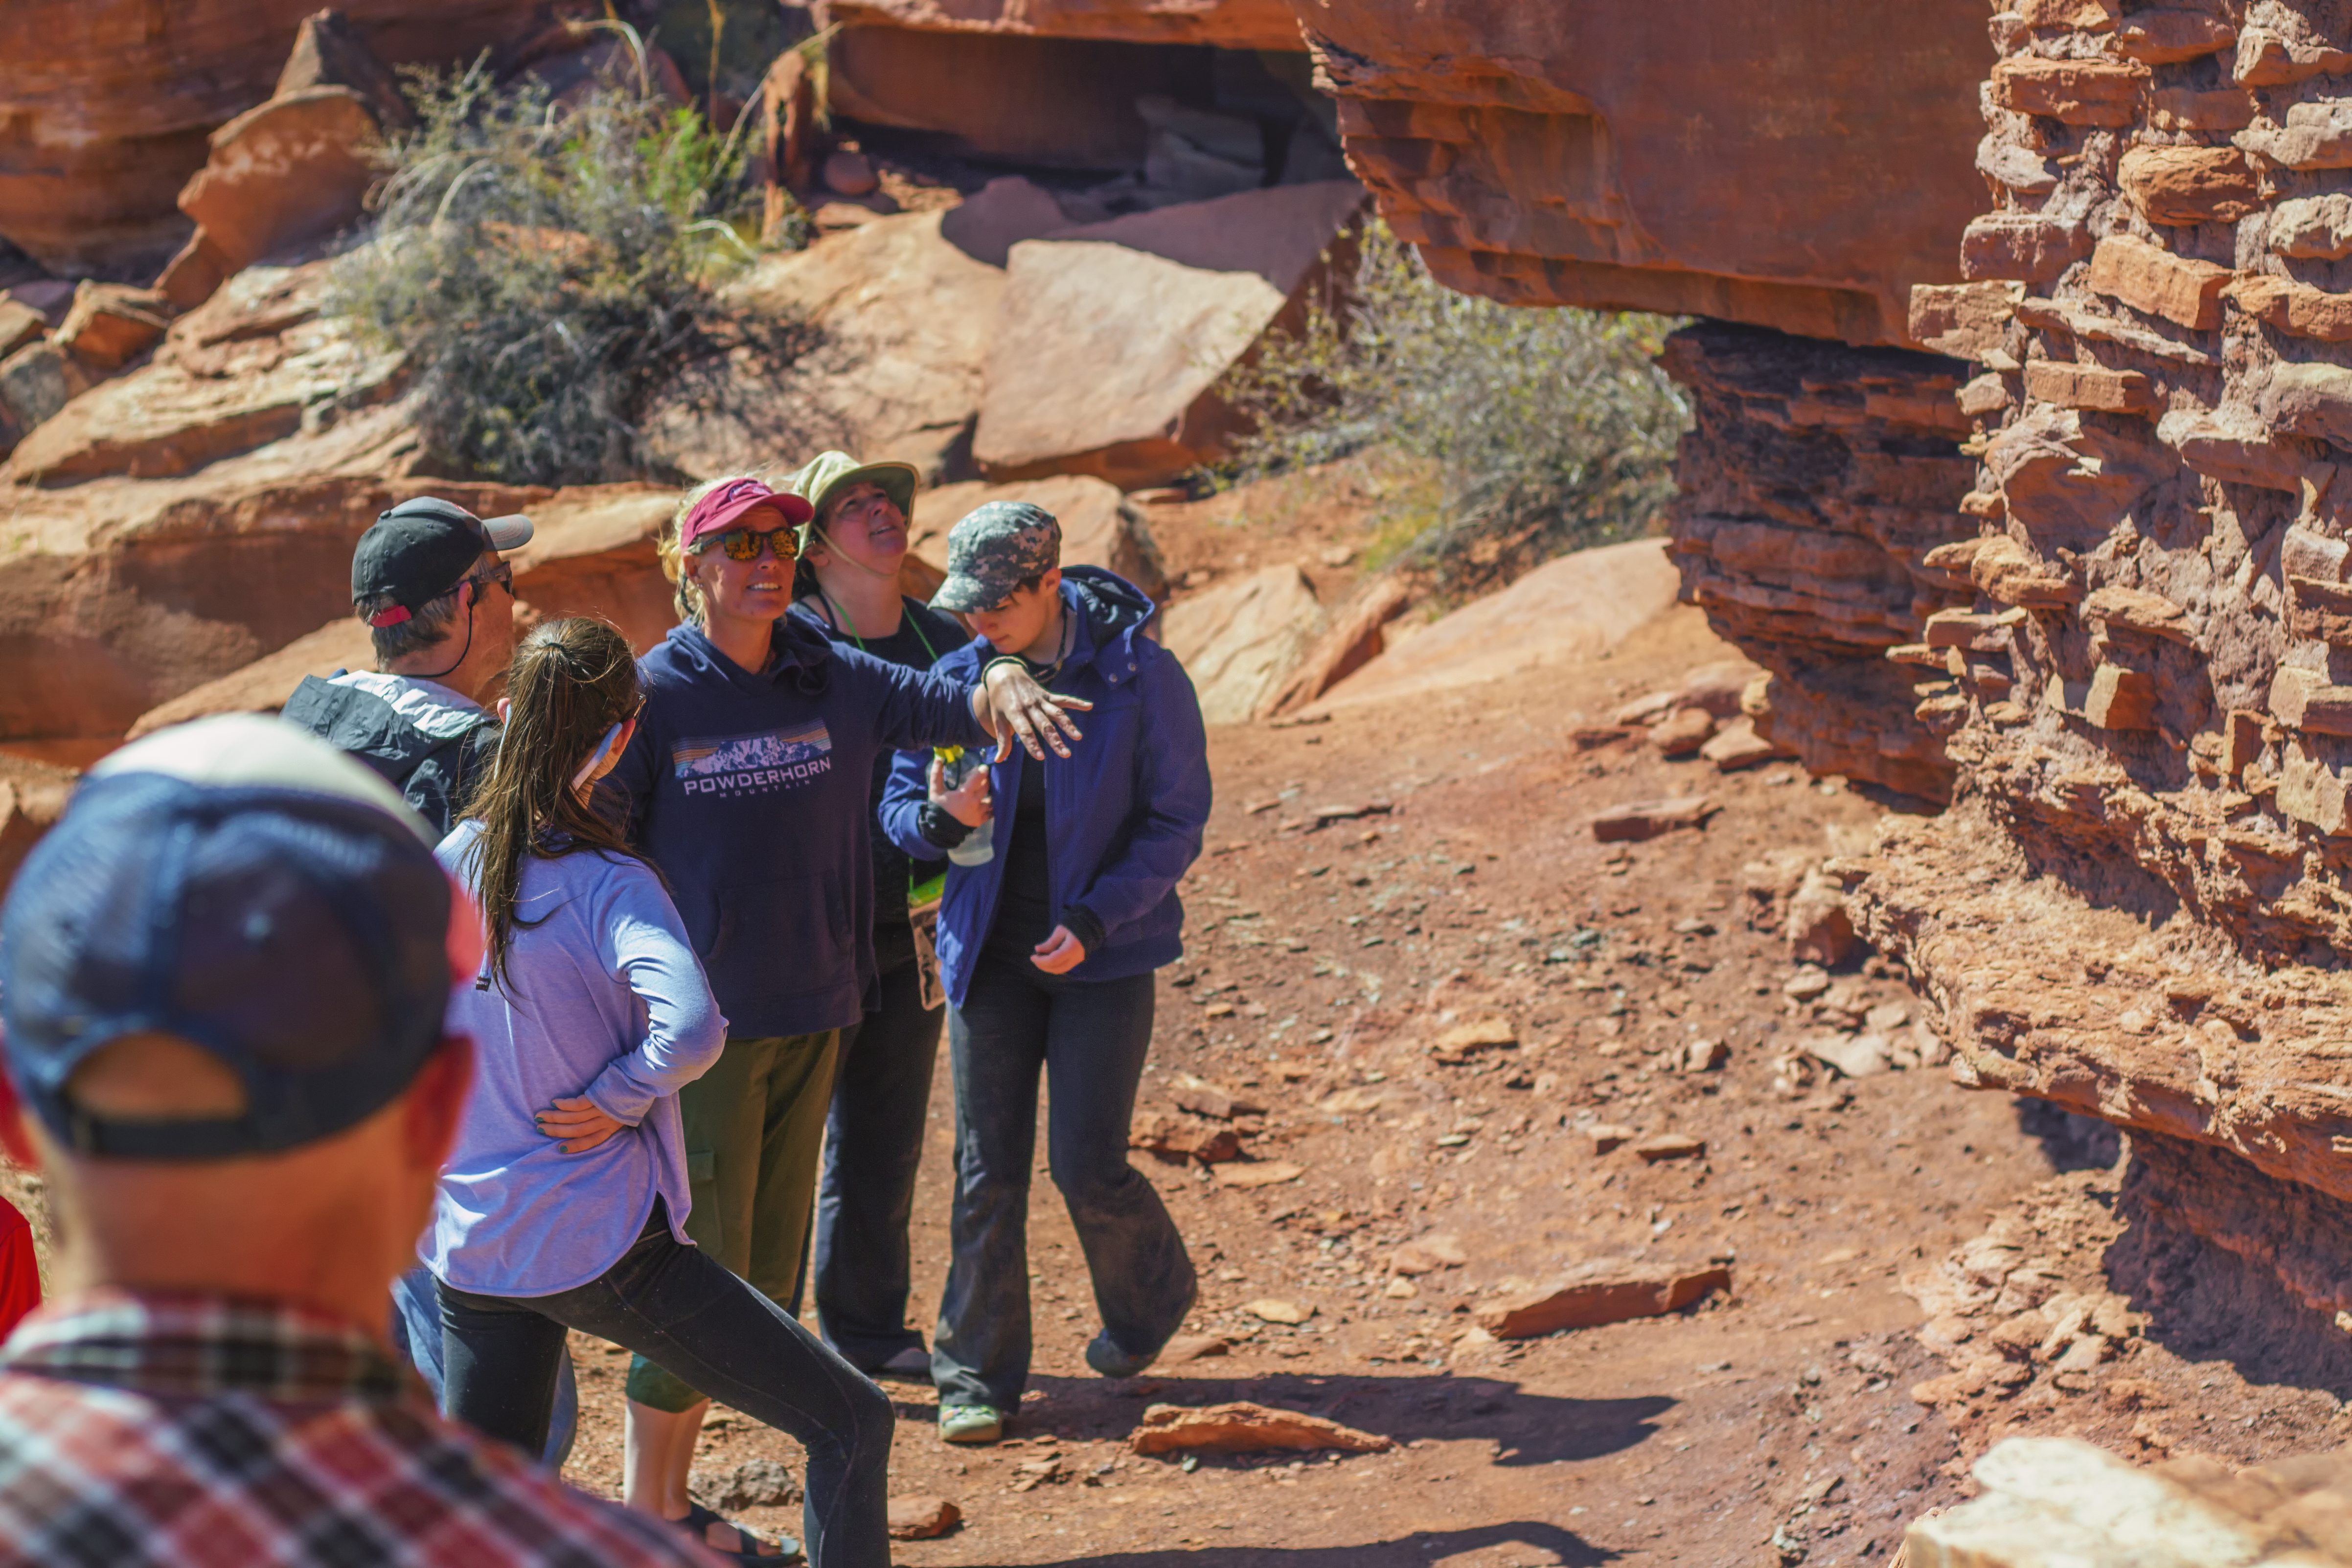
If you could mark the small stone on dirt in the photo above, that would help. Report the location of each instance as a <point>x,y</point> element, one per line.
<point>1187,1347</point>
<point>1205,1099</point>
<point>1682,733</point>
<point>1853,1056</point>
<point>1258,1173</point>
<point>1275,1310</point>
<point>1438,1250</point>
<point>1242,1427</point>
<point>1601,1292</point>
<point>1705,1055</point>
<point>1671,1146</point>
<point>1640,820</point>
<point>754,1483</point>
<point>1608,1135</point>
<point>1460,1042</point>
<point>1805,984</point>
<point>922,1518</point>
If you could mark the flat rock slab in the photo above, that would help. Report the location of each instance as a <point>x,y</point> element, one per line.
<point>1110,337</point>
<point>1671,1146</point>
<point>1242,1427</point>
<point>1639,820</point>
<point>1601,1294</point>
<point>1566,611</point>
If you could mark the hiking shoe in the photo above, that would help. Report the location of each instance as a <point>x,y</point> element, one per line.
<point>1105,1355</point>
<point>971,1423</point>
<point>912,1365</point>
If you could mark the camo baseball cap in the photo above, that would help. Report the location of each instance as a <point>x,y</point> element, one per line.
<point>995,549</point>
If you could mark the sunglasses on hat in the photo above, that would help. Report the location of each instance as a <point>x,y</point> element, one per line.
<point>747,544</point>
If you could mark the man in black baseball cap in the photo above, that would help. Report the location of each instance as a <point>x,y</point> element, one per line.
<point>222,978</point>
<point>440,605</point>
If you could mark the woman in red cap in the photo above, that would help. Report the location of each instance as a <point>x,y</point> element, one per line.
<point>747,781</point>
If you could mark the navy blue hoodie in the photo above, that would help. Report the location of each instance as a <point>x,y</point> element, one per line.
<point>1123,814</point>
<point>752,793</point>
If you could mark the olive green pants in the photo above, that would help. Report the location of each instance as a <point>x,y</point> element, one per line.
<point>754,1124</point>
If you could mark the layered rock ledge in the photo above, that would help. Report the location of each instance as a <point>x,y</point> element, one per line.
<point>1707,160</point>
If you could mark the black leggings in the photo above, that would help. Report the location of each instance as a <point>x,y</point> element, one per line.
<point>677,1306</point>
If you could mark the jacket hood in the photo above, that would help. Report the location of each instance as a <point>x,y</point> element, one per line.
<point>800,653</point>
<point>1111,608</point>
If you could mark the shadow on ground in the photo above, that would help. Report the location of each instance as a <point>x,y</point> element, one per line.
<point>1418,1549</point>
<point>1525,1428</point>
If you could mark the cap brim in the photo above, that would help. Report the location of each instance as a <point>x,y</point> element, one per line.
<point>899,481</point>
<point>963,595</point>
<point>510,533</point>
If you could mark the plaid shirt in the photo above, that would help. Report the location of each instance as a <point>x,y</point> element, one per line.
<point>199,1432</point>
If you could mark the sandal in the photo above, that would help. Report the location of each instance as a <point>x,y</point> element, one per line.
<point>696,1527</point>
<point>971,1423</point>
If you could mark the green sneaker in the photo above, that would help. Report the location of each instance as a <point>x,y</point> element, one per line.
<point>971,1423</point>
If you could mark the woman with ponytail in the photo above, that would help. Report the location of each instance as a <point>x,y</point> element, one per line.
<point>563,1205</point>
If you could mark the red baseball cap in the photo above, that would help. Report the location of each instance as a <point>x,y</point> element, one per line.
<point>724,505</point>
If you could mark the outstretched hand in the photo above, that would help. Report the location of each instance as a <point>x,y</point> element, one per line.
<point>578,1123</point>
<point>1010,703</point>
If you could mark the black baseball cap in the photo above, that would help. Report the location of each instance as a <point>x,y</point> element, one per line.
<point>239,885</point>
<point>421,549</point>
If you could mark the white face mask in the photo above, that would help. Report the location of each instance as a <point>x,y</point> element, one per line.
<point>588,769</point>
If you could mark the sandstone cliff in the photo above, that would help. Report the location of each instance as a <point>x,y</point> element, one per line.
<point>2140,908</point>
<point>1716,160</point>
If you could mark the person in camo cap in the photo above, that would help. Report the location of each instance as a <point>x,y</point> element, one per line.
<point>1047,952</point>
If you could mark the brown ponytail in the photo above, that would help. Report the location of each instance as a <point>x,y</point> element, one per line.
<point>570,681</point>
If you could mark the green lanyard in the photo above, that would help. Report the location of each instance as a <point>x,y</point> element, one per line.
<point>839,619</point>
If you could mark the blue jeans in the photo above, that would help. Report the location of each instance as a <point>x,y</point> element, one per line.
<point>676,1306</point>
<point>1089,1038</point>
<point>417,1336</point>
<point>873,1147</point>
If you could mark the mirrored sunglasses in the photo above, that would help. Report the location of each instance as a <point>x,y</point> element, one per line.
<point>746,544</point>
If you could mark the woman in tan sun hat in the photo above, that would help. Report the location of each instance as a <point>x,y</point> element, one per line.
<point>848,586</point>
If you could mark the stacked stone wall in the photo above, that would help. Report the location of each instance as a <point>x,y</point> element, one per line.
<point>2139,907</point>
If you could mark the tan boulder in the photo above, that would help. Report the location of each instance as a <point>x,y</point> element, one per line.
<point>1100,527</point>
<point>290,170</point>
<point>104,113</point>
<point>905,317</point>
<point>247,369</point>
<point>1565,611</point>
<point>1109,337</point>
<point>592,553</point>
<point>1240,639</point>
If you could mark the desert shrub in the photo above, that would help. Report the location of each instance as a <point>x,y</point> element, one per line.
<point>550,266</point>
<point>1505,435</point>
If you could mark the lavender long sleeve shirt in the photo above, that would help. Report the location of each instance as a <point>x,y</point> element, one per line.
<point>604,998</point>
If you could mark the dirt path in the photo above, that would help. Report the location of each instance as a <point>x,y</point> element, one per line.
<point>1327,961</point>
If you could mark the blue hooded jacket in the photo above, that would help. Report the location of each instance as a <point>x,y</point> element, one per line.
<point>753,795</point>
<point>1123,814</point>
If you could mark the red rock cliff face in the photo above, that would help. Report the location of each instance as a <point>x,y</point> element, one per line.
<point>2139,907</point>
<point>1791,163</point>
<point>105,104</point>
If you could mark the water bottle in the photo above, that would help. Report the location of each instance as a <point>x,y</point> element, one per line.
<point>979,846</point>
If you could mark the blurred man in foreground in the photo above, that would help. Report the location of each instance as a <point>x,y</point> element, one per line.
<point>222,981</point>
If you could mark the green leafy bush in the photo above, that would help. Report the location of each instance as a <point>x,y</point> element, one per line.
<point>550,266</point>
<point>1511,434</point>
